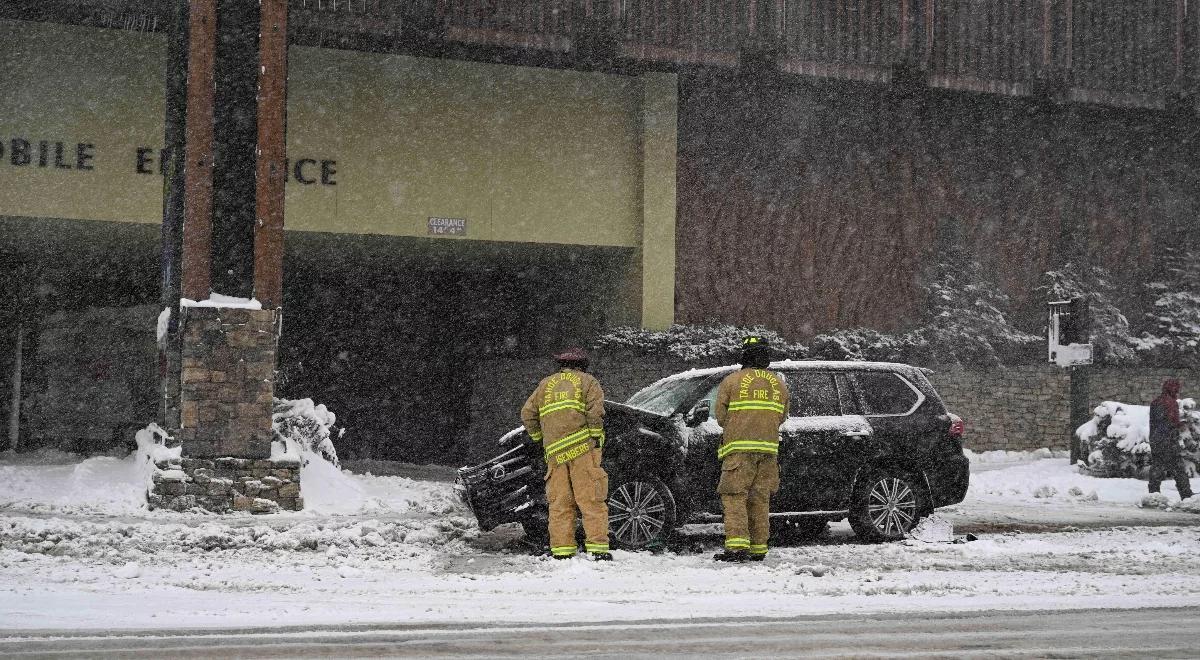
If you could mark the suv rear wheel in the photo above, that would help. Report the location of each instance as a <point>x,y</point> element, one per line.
<point>641,512</point>
<point>886,506</point>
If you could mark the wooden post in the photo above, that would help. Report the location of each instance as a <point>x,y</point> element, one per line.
<point>198,150</point>
<point>269,167</point>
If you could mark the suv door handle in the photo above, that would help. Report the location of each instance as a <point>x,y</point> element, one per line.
<point>855,434</point>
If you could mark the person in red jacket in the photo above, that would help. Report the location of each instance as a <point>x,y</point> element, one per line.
<point>1165,425</point>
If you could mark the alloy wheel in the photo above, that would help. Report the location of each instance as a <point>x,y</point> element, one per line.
<point>892,507</point>
<point>637,513</point>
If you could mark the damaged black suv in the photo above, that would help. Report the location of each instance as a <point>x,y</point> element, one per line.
<point>868,441</point>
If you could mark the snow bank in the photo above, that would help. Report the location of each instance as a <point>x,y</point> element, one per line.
<point>933,529</point>
<point>99,485</point>
<point>1056,481</point>
<point>63,574</point>
<point>327,489</point>
<point>1001,456</point>
<point>50,481</point>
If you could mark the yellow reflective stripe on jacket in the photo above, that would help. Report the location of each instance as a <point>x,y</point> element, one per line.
<point>598,434</point>
<point>561,405</point>
<point>763,446</point>
<point>536,435</point>
<point>756,405</point>
<point>563,443</point>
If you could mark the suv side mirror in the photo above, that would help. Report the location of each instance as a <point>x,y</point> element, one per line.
<point>699,413</point>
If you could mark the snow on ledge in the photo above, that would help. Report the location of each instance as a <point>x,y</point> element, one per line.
<point>222,301</point>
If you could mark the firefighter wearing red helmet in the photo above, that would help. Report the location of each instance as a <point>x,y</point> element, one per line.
<point>566,414</point>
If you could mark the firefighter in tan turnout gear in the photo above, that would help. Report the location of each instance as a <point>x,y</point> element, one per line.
<point>566,414</point>
<point>752,403</point>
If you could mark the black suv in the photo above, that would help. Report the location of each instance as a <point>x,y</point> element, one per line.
<point>868,441</point>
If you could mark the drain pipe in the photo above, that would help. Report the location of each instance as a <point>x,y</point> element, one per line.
<point>14,414</point>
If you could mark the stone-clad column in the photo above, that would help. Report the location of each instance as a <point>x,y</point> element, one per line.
<point>220,356</point>
<point>226,384</point>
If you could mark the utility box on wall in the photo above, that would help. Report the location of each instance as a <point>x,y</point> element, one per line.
<point>1068,338</point>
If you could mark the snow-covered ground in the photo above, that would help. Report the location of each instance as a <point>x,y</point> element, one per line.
<point>78,550</point>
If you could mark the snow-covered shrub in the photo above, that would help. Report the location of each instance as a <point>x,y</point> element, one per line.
<point>966,313</point>
<point>694,343</point>
<point>865,344</point>
<point>1115,442</point>
<point>152,449</point>
<point>1171,328</point>
<point>306,424</point>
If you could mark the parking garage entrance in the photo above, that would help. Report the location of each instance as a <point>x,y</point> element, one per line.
<point>428,202</point>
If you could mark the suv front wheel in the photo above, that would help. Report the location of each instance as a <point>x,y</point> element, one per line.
<point>641,512</point>
<point>886,506</point>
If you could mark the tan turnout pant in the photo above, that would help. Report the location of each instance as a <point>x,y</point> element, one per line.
<point>579,484</point>
<point>748,479</point>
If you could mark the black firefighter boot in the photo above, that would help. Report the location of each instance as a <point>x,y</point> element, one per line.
<point>735,556</point>
<point>602,556</point>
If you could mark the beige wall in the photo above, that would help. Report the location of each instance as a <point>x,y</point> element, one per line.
<point>522,154</point>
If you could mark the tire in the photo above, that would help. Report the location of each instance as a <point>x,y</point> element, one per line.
<point>886,506</point>
<point>790,531</point>
<point>537,535</point>
<point>641,512</point>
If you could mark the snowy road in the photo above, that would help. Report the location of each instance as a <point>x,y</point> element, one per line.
<point>1160,633</point>
<point>78,552</point>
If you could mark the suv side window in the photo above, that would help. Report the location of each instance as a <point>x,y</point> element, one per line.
<point>846,395</point>
<point>812,394</point>
<point>885,393</point>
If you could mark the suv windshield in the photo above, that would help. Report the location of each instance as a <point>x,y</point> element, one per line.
<point>665,397</point>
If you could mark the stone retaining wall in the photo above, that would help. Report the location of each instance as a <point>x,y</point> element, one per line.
<point>1014,408</point>
<point>227,484</point>
<point>1139,386</point>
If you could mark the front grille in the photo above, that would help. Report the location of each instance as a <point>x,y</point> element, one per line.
<point>503,489</point>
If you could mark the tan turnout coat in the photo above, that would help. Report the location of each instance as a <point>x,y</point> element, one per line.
<point>751,406</point>
<point>566,414</point>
